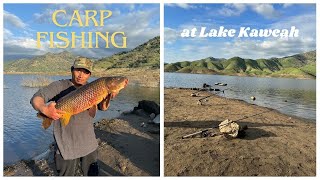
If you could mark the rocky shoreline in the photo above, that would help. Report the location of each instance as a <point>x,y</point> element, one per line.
<point>274,144</point>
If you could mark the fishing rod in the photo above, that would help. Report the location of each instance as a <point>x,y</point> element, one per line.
<point>219,126</point>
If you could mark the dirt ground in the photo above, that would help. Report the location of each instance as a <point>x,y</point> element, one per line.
<point>274,145</point>
<point>128,146</point>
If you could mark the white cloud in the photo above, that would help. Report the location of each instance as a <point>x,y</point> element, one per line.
<point>232,9</point>
<point>131,7</point>
<point>7,34</point>
<point>266,10</point>
<point>270,48</point>
<point>22,46</point>
<point>285,5</point>
<point>170,35</point>
<point>181,5</point>
<point>45,17</point>
<point>306,24</point>
<point>12,20</point>
<point>136,25</point>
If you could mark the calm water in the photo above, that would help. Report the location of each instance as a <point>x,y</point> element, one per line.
<point>24,137</point>
<point>290,96</point>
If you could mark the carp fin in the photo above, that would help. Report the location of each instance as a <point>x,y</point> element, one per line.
<point>65,118</point>
<point>46,122</point>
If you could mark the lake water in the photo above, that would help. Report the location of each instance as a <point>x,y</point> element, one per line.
<point>24,137</point>
<point>290,96</point>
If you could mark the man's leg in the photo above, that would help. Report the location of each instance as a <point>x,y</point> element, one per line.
<point>89,164</point>
<point>65,167</point>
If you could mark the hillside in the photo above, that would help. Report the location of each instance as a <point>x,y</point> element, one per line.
<point>297,66</point>
<point>146,55</point>
<point>48,62</point>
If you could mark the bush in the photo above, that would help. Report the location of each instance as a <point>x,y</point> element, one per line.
<point>37,81</point>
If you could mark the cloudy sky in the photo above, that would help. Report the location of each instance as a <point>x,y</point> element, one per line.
<point>257,16</point>
<point>139,22</point>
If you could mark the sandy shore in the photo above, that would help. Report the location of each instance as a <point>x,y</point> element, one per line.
<point>275,144</point>
<point>125,149</point>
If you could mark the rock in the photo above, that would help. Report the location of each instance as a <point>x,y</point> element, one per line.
<point>149,106</point>
<point>140,112</point>
<point>156,120</point>
<point>143,125</point>
<point>193,95</point>
<point>152,115</point>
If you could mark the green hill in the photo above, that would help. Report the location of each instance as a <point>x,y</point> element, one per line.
<point>145,55</point>
<point>48,62</point>
<point>297,66</point>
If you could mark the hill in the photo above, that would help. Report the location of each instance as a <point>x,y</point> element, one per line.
<point>146,55</point>
<point>49,62</point>
<point>297,66</point>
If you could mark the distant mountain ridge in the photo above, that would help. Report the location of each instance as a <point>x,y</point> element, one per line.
<point>297,66</point>
<point>49,62</point>
<point>144,55</point>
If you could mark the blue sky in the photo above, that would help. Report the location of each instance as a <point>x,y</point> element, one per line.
<point>258,16</point>
<point>139,22</point>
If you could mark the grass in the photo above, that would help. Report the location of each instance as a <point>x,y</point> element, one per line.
<point>36,81</point>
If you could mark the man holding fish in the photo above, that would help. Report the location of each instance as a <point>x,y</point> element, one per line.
<point>72,107</point>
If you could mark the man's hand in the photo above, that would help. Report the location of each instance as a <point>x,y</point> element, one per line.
<point>51,111</point>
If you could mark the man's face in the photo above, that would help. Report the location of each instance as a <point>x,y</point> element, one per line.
<point>80,76</point>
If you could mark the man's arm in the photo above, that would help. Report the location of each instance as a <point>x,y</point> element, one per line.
<point>49,110</point>
<point>43,95</point>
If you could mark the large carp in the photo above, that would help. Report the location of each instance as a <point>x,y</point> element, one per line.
<point>85,97</point>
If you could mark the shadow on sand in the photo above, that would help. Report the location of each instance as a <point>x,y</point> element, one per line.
<point>253,132</point>
<point>105,170</point>
<point>142,152</point>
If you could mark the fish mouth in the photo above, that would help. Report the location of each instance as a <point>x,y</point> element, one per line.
<point>123,84</point>
<point>117,84</point>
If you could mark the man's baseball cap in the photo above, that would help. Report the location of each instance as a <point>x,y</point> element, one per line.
<point>83,62</point>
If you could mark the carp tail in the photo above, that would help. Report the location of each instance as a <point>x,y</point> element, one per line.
<point>46,122</point>
<point>65,118</point>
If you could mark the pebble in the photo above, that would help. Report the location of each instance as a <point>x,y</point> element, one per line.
<point>143,125</point>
